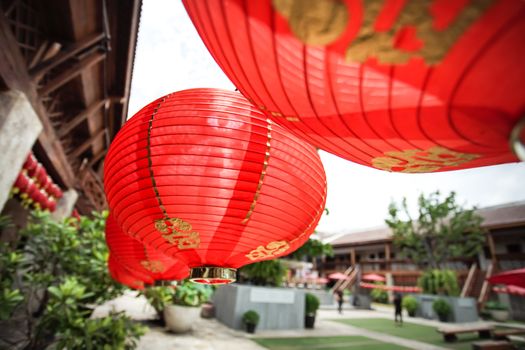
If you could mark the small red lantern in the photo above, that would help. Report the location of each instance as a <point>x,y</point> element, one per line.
<point>406,86</point>
<point>123,275</point>
<point>142,260</point>
<point>204,177</point>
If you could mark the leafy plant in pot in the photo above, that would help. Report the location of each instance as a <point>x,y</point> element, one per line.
<point>250,319</point>
<point>158,297</point>
<point>310,309</point>
<point>185,310</point>
<point>498,310</point>
<point>442,308</point>
<point>410,304</point>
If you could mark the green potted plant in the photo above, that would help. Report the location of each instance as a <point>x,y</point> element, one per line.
<point>250,319</point>
<point>310,309</point>
<point>185,310</point>
<point>498,310</point>
<point>442,308</point>
<point>158,297</point>
<point>410,304</point>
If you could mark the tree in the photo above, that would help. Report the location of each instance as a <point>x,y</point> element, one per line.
<point>443,230</point>
<point>313,248</point>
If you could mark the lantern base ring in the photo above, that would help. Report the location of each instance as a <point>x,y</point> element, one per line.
<point>213,275</point>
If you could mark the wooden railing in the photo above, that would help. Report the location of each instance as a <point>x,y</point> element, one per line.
<point>485,289</point>
<point>467,286</point>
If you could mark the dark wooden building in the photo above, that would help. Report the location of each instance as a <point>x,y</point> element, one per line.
<point>65,76</point>
<point>373,251</point>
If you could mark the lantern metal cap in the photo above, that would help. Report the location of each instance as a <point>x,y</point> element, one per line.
<point>213,275</point>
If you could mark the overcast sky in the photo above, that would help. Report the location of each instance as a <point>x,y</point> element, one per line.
<point>170,56</point>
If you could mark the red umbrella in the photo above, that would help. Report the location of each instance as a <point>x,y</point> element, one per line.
<point>512,277</point>
<point>337,276</point>
<point>322,280</point>
<point>513,290</point>
<point>373,277</point>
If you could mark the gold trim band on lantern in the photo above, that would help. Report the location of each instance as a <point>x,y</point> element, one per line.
<point>515,143</point>
<point>213,275</point>
<point>263,173</point>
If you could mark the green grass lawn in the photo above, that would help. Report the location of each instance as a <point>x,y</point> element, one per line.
<point>412,331</point>
<point>325,343</point>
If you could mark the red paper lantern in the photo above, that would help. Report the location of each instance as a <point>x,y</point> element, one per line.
<point>144,261</point>
<point>123,275</point>
<point>204,177</point>
<point>407,86</point>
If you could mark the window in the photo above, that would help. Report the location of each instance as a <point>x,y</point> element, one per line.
<point>514,248</point>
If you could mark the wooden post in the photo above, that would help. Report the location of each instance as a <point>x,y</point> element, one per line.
<point>352,256</point>
<point>387,257</point>
<point>492,248</point>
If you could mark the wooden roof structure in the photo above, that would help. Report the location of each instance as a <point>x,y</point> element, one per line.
<point>73,59</point>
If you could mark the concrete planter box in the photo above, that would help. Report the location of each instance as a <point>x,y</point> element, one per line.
<point>278,308</point>
<point>463,309</point>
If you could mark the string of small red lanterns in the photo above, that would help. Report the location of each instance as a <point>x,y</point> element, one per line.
<point>35,187</point>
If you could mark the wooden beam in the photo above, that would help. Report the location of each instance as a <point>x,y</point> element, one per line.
<point>40,70</point>
<point>86,144</point>
<point>80,117</point>
<point>492,248</point>
<point>133,28</point>
<point>96,158</point>
<point>72,72</point>
<point>14,74</point>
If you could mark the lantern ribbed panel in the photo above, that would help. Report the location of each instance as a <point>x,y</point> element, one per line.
<point>144,261</point>
<point>122,275</point>
<point>203,176</point>
<point>408,86</point>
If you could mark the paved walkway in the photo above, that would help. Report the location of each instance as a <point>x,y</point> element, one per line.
<point>212,335</point>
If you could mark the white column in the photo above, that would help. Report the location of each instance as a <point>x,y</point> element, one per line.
<point>19,129</point>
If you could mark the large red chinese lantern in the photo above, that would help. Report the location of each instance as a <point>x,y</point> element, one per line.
<point>122,275</point>
<point>399,85</point>
<point>144,261</point>
<point>203,176</point>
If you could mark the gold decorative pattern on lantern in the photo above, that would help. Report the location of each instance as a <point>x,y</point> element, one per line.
<point>154,266</point>
<point>272,249</point>
<point>263,172</point>
<point>415,15</point>
<point>421,161</point>
<point>178,232</point>
<point>174,230</point>
<point>317,22</point>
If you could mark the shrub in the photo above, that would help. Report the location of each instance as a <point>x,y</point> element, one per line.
<point>250,317</point>
<point>410,304</point>
<point>264,273</point>
<point>311,304</point>
<point>158,297</point>
<point>191,294</point>
<point>55,274</point>
<point>441,308</point>
<point>496,305</point>
<point>379,295</point>
<point>439,282</point>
